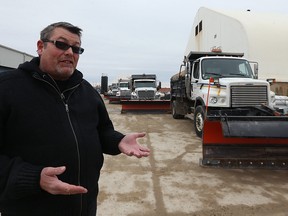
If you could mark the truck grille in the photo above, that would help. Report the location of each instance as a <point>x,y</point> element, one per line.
<point>125,92</point>
<point>248,95</point>
<point>146,95</point>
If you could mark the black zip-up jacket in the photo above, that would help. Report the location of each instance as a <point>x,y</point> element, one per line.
<point>43,126</point>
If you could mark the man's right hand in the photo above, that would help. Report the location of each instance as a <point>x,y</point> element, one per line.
<point>50,182</point>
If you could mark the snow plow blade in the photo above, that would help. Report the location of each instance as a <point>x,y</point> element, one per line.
<point>245,142</point>
<point>146,106</point>
<point>117,99</point>
<point>114,99</point>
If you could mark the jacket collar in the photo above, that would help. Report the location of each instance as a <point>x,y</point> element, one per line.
<point>32,67</point>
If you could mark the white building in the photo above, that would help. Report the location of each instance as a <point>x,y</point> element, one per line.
<point>11,58</point>
<point>262,37</point>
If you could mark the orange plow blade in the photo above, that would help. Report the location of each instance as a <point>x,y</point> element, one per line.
<point>245,142</point>
<point>146,106</point>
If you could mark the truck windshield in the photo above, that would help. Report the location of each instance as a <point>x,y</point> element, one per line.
<point>226,68</point>
<point>123,85</point>
<point>143,84</point>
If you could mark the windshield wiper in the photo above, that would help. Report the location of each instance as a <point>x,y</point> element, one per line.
<point>215,74</point>
<point>238,74</point>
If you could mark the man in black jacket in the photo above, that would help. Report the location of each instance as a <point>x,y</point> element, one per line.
<point>54,129</point>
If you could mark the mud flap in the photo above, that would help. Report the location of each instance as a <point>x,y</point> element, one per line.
<point>245,142</point>
<point>146,106</point>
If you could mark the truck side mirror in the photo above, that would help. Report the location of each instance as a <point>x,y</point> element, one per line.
<point>159,86</point>
<point>256,70</point>
<point>271,81</point>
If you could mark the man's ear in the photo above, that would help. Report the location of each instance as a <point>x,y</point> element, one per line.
<point>40,47</point>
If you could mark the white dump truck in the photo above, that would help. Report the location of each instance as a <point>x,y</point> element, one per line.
<point>233,111</point>
<point>216,80</point>
<point>124,90</point>
<point>145,95</point>
<point>144,87</point>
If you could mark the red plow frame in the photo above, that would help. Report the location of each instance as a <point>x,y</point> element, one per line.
<point>245,142</point>
<point>147,106</point>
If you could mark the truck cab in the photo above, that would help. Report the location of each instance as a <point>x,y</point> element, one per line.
<point>123,89</point>
<point>144,87</point>
<point>230,80</point>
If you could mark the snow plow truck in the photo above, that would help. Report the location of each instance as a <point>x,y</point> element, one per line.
<point>232,111</point>
<point>145,95</point>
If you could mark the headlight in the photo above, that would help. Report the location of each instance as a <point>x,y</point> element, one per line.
<point>157,95</point>
<point>213,100</point>
<point>133,95</point>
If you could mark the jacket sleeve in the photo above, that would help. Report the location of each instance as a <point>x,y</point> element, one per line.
<point>110,138</point>
<point>17,178</point>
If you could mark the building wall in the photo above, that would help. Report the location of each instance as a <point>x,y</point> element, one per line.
<point>261,37</point>
<point>217,31</point>
<point>10,58</point>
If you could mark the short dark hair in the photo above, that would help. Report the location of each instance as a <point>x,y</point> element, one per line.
<point>46,32</point>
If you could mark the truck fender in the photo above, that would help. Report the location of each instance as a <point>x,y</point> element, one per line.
<point>199,102</point>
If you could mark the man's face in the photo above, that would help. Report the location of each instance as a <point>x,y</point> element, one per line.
<point>60,64</point>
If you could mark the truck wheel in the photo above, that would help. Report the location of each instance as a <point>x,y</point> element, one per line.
<point>174,111</point>
<point>199,120</point>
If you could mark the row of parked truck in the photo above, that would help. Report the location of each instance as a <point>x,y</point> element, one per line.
<point>139,92</point>
<point>137,87</point>
<point>241,122</point>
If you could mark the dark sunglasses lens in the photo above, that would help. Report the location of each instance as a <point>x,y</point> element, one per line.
<point>64,46</point>
<point>78,50</point>
<point>61,45</point>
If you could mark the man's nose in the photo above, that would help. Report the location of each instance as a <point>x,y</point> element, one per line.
<point>69,51</point>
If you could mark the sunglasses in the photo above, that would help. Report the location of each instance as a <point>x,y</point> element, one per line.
<point>64,46</point>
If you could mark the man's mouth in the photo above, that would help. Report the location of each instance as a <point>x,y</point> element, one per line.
<point>67,62</point>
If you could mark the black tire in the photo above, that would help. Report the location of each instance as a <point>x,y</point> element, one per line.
<point>199,117</point>
<point>174,111</point>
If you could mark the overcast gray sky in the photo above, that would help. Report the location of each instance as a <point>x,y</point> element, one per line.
<point>120,37</point>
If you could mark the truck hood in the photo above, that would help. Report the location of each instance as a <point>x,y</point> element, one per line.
<point>145,89</point>
<point>241,81</point>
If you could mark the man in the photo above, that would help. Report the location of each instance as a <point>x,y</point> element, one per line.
<point>54,129</point>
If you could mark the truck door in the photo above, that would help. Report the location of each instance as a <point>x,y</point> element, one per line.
<point>195,78</point>
<point>188,77</point>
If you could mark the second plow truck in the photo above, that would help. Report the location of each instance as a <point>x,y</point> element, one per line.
<point>232,111</point>
<point>145,96</point>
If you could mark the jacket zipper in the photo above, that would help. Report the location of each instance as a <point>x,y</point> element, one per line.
<point>65,102</point>
<point>77,146</point>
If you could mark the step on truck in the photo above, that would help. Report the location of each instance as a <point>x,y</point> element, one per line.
<point>232,111</point>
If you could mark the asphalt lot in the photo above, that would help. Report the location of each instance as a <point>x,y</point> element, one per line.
<point>171,182</point>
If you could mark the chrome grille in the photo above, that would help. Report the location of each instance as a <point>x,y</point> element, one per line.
<point>248,95</point>
<point>125,92</point>
<point>146,95</point>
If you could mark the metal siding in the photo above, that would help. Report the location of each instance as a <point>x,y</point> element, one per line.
<point>262,37</point>
<point>12,58</point>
